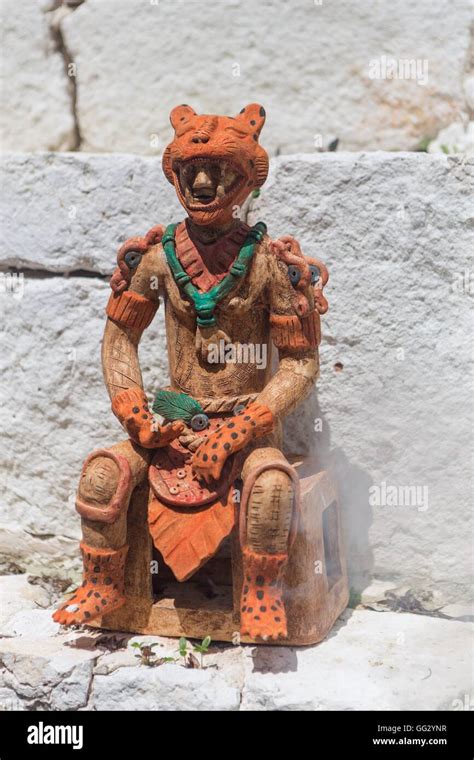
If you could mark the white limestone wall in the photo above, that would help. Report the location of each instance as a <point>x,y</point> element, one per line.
<point>393,404</point>
<point>102,75</point>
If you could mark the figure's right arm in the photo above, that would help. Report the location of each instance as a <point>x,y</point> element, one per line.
<point>131,308</point>
<point>120,364</point>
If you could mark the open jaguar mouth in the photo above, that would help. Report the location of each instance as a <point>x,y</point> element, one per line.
<point>207,183</point>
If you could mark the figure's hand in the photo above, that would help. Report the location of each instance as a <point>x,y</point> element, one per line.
<point>131,408</point>
<point>252,422</point>
<point>157,436</point>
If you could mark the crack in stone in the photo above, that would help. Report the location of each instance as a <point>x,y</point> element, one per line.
<point>47,274</point>
<point>56,17</point>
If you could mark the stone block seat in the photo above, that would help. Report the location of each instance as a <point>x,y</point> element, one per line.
<point>208,603</point>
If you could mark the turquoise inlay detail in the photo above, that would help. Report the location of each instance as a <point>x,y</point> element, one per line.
<point>205,303</point>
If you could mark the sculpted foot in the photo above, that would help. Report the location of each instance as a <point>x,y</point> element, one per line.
<point>262,612</point>
<point>102,589</point>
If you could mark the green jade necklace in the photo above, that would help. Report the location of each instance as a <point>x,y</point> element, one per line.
<point>206,303</point>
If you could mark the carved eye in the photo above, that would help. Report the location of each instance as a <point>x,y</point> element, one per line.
<point>132,259</point>
<point>199,422</point>
<point>237,409</point>
<point>294,274</point>
<point>315,274</point>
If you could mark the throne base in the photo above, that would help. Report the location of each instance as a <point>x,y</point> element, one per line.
<point>208,604</point>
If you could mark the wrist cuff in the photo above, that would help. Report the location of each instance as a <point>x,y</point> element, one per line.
<point>261,416</point>
<point>127,401</point>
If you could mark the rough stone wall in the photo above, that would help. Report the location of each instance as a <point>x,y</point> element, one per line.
<point>36,112</point>
<point>393,402</point>
<point>392,406</point>
<point>102,75</point>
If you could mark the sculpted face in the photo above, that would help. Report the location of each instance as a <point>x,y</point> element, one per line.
<point>214,162</point>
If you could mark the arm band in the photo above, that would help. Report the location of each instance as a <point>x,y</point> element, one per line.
<point>131,310</point>
<point>295,332</point>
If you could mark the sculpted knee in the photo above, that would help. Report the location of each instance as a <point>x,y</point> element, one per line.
<point>99,480</point>
<point>105,486</point>
<point>270,511</point>
<point>269,503</point>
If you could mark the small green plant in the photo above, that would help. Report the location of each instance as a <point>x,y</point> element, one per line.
<point>147,656</point>
<point>183,648</point>
<point>355,598</point>
<point>202,648</point>
<point>145,653</point>
<point>424,144</point>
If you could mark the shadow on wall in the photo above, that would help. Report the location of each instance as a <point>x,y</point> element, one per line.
<point>307,433</point>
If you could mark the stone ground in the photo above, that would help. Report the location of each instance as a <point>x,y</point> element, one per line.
<point>374,659</point>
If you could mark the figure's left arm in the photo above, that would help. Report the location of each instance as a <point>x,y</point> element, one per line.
<point>296,302</point>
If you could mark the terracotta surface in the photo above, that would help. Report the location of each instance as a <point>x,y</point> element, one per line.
<point>225,288</point>
<point>209,603</point>
<point>103,587</point>
<point>248,425</point>
<point>187,538</point>
<point>262,611</point>
<point>130,309</point>
<point>235,139</point>
<point>131,408</point>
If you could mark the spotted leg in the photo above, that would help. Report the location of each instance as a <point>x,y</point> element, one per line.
<point>107,481</point>
<point>267,521</point>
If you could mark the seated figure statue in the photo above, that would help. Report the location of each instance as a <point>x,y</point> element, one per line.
<point>230,293</point>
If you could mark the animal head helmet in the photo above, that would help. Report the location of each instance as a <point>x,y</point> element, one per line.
<point>214,162</point>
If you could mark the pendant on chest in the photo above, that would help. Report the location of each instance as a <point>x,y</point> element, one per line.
<point>206,287</point>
